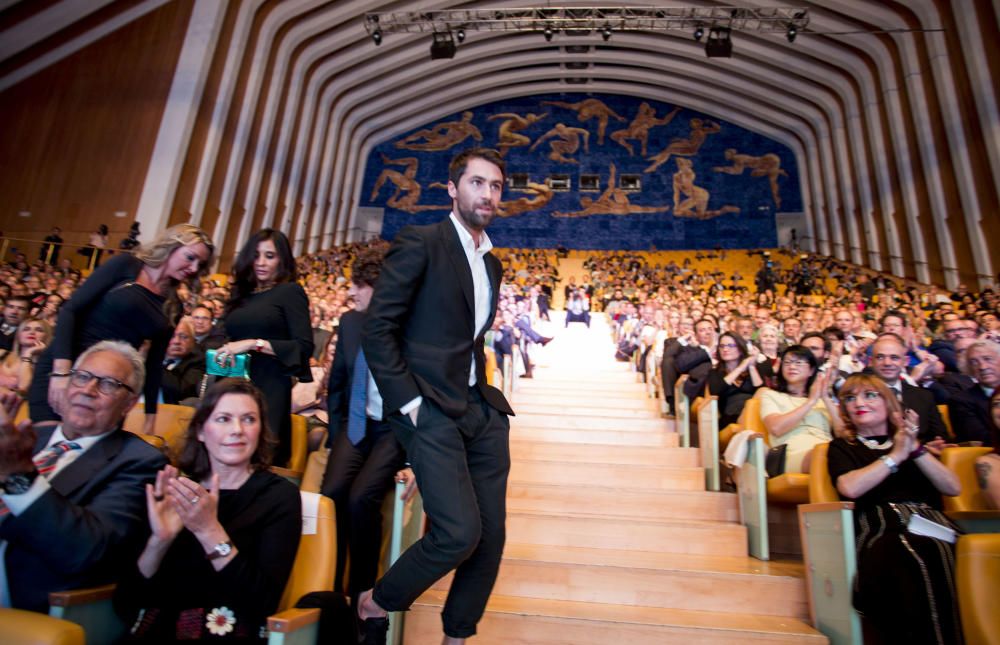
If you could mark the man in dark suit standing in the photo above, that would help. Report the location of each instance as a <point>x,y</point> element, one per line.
<point>435,300</point>
<point>364,453</point>
<point>72,498</point>
<point>889,358</point>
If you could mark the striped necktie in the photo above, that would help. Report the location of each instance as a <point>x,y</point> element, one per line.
<point>45,462</point>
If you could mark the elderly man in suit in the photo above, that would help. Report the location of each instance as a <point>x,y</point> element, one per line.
<point>434,301</point>
<point>73,511</point>
<point>364,453</point>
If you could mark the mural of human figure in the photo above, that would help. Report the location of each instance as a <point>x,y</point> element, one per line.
<point>696,199</point>
<point>567,144</point>
<point>613,201</point>
<point>685,147</point>
<point>407,192</point>
<point>442,136</point>
<point>541,194</point>
<point>509,132</point>
<point>767,165</point>
<point>645,120</point>
<point>588,109</point>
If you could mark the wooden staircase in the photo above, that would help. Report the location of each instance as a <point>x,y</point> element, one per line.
<point>611,536</point>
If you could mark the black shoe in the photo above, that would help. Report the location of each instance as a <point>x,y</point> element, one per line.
<point>374,631</point>
<point>546,340</point>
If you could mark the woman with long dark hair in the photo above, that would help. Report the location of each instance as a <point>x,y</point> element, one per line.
<point>905,584</point>
<point>223,530</point>
<point>268,315</point>
<point>130,298</point>
<point>736,376</point>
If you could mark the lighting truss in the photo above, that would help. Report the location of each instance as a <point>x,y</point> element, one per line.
<point>586,19</point>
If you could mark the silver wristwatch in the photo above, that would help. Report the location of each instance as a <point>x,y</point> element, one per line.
<point>890,463</point>
<point>220,550</point>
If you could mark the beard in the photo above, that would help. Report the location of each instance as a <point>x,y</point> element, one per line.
<point>469,214</point>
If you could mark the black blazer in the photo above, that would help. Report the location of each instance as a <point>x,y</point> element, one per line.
<point>184,380</point>
<point>922,402</point>
<point>338,396</point>
<point>88,528</point>
<point>419,333</point>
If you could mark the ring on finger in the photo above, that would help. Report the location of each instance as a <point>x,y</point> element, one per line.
<point>194,500</point>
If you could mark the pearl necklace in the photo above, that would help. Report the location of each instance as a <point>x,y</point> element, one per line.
<point>875,445</point>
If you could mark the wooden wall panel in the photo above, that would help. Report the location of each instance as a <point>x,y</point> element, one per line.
<point>78,136</point>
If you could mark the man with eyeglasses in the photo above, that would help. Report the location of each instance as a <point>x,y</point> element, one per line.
<point>73,498</point>
<point>207,335</point>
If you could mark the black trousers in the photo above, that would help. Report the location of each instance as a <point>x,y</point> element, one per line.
<point>461,467</point>
<point>357,480</point>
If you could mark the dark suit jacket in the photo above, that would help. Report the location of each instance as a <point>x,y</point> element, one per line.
<point>419,334</point>
<point>922,402</point>
<point>88,527</point>
<point>184,380</point>
<point>338,396</point>
<point>969,409</point>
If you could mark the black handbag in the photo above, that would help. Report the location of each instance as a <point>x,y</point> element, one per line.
<point>774,462</point>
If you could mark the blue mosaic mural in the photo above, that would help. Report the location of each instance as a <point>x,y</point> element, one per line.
<point>597,171</point>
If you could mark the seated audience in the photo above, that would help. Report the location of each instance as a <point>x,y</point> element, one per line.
<point>72,496</point>
<point>800,412</point>
<point>18,364</point>
<point>577,309</point>
<point>15,310</point>
<point>695,359</point>
<point>183,366</point>
<point>207,333</point>
<point>905,586</point>
<point>223,534</point>
<point>968,399</point>
<point>735,377</point>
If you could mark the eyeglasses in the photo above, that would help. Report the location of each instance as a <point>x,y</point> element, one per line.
<point>105,384</point>
<point>728,346</point>
<point>868,395</point>
<point>798,362</point>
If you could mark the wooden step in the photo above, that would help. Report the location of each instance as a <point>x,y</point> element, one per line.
<point>574,378</point>
<point>554,499</point>
<point>572,399</point>
<point>664,439</point>
<point>529,621</point>
<point>603,532</point>
<point>703,583</point>
<point>598,388</point>
<point>589,422</point>
<point>583,452</point>
<point>590,410</point>
<point>608,475</point>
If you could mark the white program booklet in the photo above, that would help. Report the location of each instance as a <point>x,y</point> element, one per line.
<point>923,526</point>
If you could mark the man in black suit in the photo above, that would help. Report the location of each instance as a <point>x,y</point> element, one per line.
<point>364,454</point>
<point>424,336</point>
<point>183,365</point>
<point>889,358</point>
<point>15,310</point>
<point>74,498</point>
<point>969,399</point>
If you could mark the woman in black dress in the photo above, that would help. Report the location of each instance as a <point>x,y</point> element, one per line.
<point>905,584</point>
<point>223,536</point>
<point>735,377</point>
<point>268,314</point>
<point>130,298</point>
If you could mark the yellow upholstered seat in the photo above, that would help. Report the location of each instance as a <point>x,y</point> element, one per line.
<point>821,488</point>
<point>978,582</point>
<point>171,424</point>
<point>300,444</point>
<point>946,417</point>
<point>969,509</point>
<point>19,627</point>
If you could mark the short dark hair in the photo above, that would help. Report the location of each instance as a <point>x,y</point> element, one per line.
<point>367,266</point>
<point>194,459</point>
<point>460,161</point>
<point>893,313</point>
<point>797,351</point>
<point>835,331</point>
<point>714,324</point>
<point>827,345</point>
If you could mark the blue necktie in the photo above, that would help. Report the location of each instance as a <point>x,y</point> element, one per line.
<point>357,417</point>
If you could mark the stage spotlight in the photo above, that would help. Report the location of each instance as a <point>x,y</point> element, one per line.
<point>377,37</point>
<point>443,46</point>
<point>460,35</point>
<point>791,33</point>
<point>548,33</point>
<point>606,33</point>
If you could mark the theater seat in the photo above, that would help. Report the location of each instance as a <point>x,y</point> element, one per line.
<point>682,412</point>
<point>946,418</point>
<point>969,508</point>
<point>300,444</point>
<point>706,412</point>
<point>19,627</point>
<point>978,582</point>
<point>312,571</point>
<point>756,489</point>
<point>492,373</point>
<point>171,424</point>
<point>826,525</point>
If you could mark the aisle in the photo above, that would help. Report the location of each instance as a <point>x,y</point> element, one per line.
<point>610,533</point>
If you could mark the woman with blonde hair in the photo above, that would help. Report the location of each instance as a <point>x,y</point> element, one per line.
<point>905,583</point>
<point>128,298</point>
<point>18,365</point>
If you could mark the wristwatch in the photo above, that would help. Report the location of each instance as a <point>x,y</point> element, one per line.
<point>259,345</point>
<point>890,463</point>
<point>220,550</point>
<point>18,483</point>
